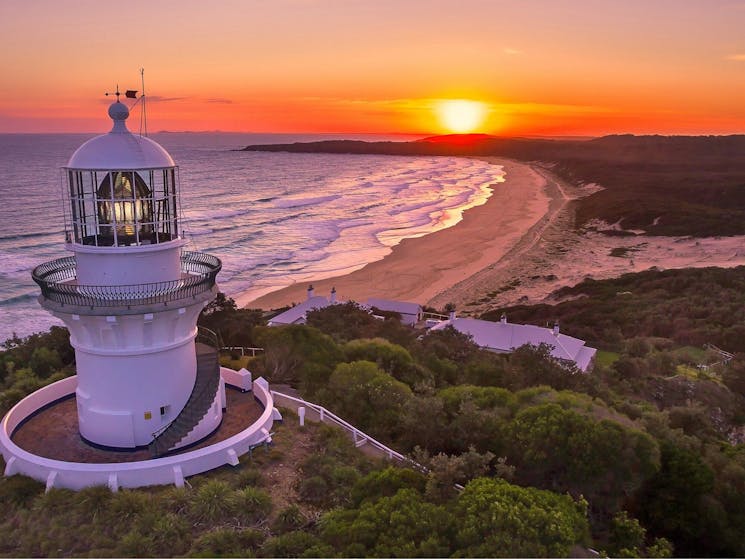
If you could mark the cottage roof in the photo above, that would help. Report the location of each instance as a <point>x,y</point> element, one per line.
<point>296,314</point>
<point>401,307</point>
<point>505,336</point>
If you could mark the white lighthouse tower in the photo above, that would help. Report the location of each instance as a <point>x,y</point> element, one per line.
<point>130,296</point>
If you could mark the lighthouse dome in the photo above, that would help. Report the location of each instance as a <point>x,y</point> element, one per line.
<point>120,149</point>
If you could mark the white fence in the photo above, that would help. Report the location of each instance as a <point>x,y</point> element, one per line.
<point>244,350</point>
<point>360,438</point>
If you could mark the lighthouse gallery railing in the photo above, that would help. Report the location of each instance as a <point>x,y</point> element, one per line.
<point>55,279</point>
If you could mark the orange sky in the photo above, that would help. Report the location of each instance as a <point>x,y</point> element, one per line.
<point>545,67</point>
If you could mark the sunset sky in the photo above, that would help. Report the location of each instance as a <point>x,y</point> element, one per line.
<point>542,67</point>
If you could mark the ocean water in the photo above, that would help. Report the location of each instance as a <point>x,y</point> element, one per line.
<point>273,218</point>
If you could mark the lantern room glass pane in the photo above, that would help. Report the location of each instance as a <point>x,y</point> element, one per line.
<point>122,207</point>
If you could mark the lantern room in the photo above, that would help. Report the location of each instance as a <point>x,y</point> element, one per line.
<point>122,190</point>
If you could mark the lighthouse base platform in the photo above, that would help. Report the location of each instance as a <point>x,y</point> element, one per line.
<point>39,438</point>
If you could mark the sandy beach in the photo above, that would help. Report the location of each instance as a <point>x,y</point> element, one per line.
<point>420,269</point>
<point>517,248</point>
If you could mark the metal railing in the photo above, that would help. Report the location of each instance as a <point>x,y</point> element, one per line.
<point>208,337</point>
<point>202,395</point>
<point>55,280</point>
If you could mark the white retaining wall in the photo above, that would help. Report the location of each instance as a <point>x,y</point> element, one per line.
<point>159,471</point>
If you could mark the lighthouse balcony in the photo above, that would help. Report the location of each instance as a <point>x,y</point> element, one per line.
<point>59,285</point>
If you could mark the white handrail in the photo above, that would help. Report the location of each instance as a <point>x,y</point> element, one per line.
<point>326,414</point>
<point>243,349</point>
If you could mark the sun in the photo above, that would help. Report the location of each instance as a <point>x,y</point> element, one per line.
<point>461,116</point>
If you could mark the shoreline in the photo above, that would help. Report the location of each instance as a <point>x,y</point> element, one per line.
<point>520,247</point>
<point>420,269</point>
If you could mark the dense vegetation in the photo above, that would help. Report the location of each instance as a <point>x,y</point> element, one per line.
<point>694,306</point>
<point>664,185</point>
<point>643,456</point>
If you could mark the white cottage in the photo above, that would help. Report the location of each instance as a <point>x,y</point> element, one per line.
<point>298,313</point>
<point>505,337</point>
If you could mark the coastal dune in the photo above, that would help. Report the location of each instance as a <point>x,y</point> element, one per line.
<point>420,269</point>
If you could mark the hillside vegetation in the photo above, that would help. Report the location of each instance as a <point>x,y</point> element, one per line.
<point>642,457</point>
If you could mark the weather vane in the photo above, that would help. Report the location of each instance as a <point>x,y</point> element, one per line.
<point>132,94</point>
<point>129,93</point>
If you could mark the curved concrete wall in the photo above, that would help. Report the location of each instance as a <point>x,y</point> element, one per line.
<point>160,471</point>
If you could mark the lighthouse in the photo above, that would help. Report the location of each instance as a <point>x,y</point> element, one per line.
<point>130,295</point>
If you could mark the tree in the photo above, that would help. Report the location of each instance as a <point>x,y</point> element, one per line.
<point>444,471</point>
<point>391,358</point>
<point>443,352</point>
<point>367,397</point>
<point>564,450</point>
<point>234,326</point>
<point>675,503</point>
<point>734,374</point>
<point>403,525</point>
<point>496,519</point>
<point>298,355</point>
<point>531,365</point>
<point>626,536</point>
<point>44,361</point>
<point>386,483</point>
<point>343,322</point>
<point>475,416</point>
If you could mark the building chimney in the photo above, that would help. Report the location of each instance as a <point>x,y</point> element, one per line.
<point>503,318</point>
<point>556,328</point>
<point>310,291</point>
<point>332,298</point>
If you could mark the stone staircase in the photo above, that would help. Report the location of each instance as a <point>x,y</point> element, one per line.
<point>198,404</point>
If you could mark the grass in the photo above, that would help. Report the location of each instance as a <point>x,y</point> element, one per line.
<point>606,358</point>
<point>236,364</point>
<point>230,511</point>
<point>698,354</point>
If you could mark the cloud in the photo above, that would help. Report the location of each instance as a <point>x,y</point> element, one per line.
<point>391,106</point>
<point>511,52</point>
<point>220,100</point>
<point>161,99</point>
<point>737,57</point>
<point>550,109</point>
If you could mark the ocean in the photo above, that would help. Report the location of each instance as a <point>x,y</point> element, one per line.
<point>273,218</point>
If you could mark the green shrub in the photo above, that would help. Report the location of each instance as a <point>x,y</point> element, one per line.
<point>226,542</point>
<point>252,504</point>
<point>213,503</point>
<point>290,518</point>
<point>19,490</point>
<point>295,544</point>
<point>250,477</point>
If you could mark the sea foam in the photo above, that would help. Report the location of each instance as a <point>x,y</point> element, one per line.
<point>272,218</point>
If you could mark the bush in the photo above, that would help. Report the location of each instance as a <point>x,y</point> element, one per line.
<point>295,544</point>
<point>214,502</point>
<point>19,490</point>
<point>290,518</point>
<point>496,519</point>
<point>226,542</point>
<point>252,504</point>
